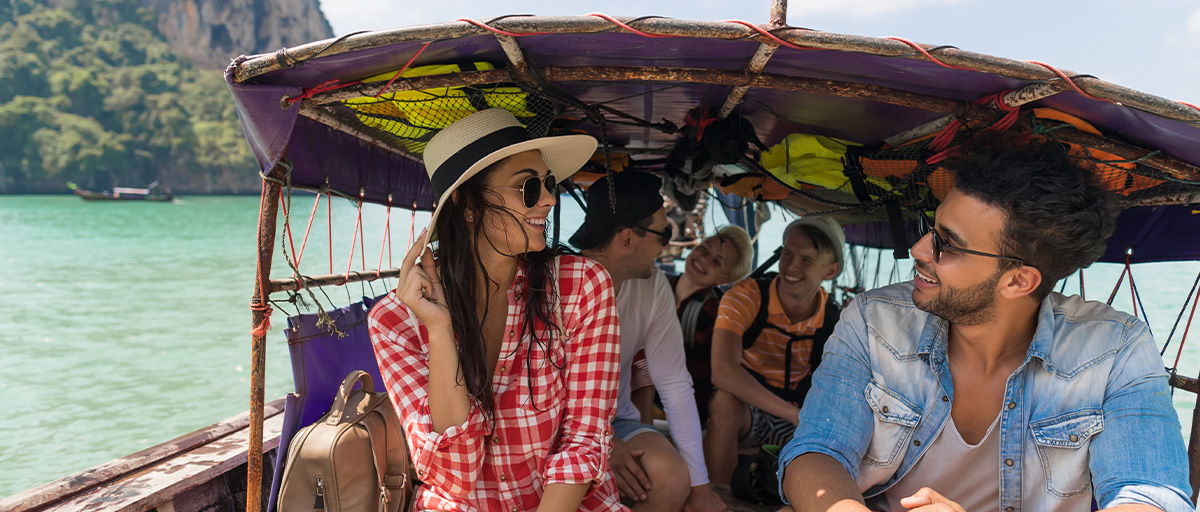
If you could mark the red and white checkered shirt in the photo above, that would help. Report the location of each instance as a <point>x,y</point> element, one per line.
<point>558,433</point>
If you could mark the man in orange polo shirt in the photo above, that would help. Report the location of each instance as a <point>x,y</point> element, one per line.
<point>763,357</point>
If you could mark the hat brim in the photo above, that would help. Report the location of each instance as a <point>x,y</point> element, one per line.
<point>564,155</point>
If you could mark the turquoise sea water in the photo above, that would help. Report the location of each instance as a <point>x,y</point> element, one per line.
<point>127,324</point>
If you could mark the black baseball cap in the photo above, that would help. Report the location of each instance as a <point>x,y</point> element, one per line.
<point>638,197</point>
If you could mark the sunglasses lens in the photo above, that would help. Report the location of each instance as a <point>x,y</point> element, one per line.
<point>938,245</point>
<point>531,191</point>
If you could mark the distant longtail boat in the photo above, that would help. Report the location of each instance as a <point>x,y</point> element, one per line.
<point>123,194</point>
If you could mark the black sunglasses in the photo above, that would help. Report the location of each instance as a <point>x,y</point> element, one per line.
<point>531,189</point>
<point>940,245</point>
<point>664,237</point>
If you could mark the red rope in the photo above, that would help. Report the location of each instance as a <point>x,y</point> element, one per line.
<point>1119,281</point>
<point>1067,79</point>
<point>700,124</point>
<point>363,240</point>
<point>386,242</point>
<point>943,139</point>
<point>261,329</point>
<point>618,23</point>
<point>928,55</point>
<point>331,85</point>
<point>1132,291</point>
<point>308,229</point>
<point>1188,104</point>
<point>402,70</point>
<point>485,26</point>
<point>1187,327</point>
<point>769,35</point>
<point>287,226</point>
<point>357,228</point>
<point>412,226</point>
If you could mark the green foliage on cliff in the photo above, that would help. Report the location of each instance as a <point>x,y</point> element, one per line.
<point>91,93</point>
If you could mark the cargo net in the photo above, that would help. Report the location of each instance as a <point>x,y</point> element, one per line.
<point>911,173</point>
<point>409,119</point>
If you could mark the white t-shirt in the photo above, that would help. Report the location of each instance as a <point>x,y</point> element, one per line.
<point>964,473</point>
<point>646,311</point>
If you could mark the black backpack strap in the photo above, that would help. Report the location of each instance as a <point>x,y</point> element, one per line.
<point>832,314</point>
<point>760,321</point>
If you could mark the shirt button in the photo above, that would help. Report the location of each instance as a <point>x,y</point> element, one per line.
<point>916,442</point>
<point>1009,509</point>
<point>514,509</point>
<point>885,409</point>
<point>1074,438</point>
<point>496,439</point>
<point>503,478</point>
<point>1008,462</point>
<point>945,398</point>
<point>503,369</point>
<point>420,473</point>
<point>1012,405</point>
<point>511,334</point>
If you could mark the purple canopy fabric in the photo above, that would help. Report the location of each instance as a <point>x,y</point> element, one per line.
<point>323,156</point>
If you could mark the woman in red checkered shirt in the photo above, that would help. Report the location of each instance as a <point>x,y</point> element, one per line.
<point>515,415</point>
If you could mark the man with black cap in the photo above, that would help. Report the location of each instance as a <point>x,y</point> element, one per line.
<point>625,238</point>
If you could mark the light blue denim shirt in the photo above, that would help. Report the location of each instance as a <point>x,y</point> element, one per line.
<point>1088,411</point>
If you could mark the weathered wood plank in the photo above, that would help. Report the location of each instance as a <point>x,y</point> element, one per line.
<point>158,484</point>
<point>47,494</point>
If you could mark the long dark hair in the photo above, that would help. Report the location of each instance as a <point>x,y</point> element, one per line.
<point>461,266</point>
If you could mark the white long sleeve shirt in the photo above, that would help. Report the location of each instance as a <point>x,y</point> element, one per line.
<point>646,312</point>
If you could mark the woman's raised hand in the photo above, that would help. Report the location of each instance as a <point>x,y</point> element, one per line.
<point>420,288</point>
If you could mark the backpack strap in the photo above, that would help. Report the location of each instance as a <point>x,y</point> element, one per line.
<point>797,393</point>
<point>832,314</point>
<point>691,316</point>
<point>391,464</point>
<point>760,321</point>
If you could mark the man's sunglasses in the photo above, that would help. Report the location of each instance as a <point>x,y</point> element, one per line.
<point>531,190</point>
<point>940,245</point>
<point>664,237</point>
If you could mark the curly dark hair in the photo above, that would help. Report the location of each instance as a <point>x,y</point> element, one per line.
<point>1057,216</point>
<point>461,269</point>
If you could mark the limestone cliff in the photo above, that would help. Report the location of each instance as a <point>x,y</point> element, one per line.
<point>211,32</point>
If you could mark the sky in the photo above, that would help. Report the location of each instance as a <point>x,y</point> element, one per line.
<point>1149,45</point>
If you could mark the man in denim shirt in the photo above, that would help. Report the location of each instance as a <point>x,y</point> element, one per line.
<point>974,387</point>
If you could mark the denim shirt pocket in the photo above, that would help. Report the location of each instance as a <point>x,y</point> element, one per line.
<point>895,421</point>
<point>1062,446</point>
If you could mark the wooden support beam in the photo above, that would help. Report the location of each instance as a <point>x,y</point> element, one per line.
<point>268,214</point>
<point>291,283</point>
<point>1013,99</point>
<point>321,115</point>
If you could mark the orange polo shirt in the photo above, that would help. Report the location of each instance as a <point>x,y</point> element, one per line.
<point>739,308</point>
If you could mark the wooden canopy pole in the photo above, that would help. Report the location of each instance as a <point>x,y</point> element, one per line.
<point>778,14</point>
<point>268,210</point>
<point>1194,452</point>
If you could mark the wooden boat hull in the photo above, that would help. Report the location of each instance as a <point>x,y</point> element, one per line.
<point>203,470</point>
<point>88,195</point>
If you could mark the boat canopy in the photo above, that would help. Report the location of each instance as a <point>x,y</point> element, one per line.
<point>822,123</point>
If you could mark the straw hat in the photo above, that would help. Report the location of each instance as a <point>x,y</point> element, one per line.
<point>481,139</point>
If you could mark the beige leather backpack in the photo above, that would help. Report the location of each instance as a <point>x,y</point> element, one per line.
<point>353,459</point>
